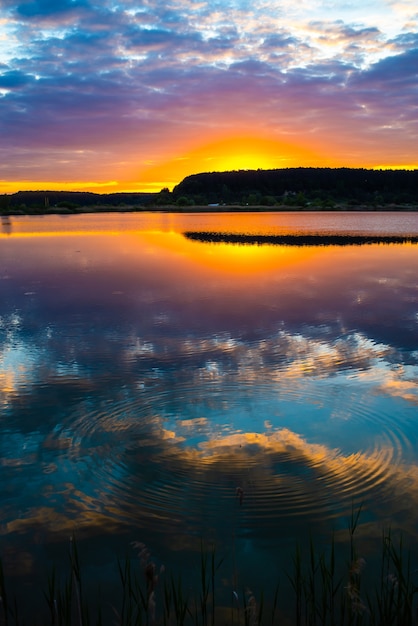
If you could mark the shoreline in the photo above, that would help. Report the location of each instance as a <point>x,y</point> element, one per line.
<point>231,208</point>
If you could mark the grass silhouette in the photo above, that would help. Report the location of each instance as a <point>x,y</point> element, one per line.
<point>325,591</point>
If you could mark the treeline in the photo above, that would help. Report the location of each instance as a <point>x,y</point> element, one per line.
<point>301,186</point>
<point>322,188</point>
<point>70,201</point>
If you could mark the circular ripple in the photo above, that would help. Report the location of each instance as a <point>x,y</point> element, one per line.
<point>245,456</point>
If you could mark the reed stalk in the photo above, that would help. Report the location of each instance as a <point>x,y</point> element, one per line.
<point>3,597</point>
<point>325,592</point>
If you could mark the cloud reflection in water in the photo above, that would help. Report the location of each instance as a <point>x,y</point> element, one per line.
<point>146,378</point>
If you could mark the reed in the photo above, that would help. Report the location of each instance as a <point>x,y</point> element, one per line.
<point>3,597</point>
<point>327,591</point>
<point>393,602</point>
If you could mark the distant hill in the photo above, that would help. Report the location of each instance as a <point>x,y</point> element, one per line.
<point>319,188</point>
<point>71,200</point>
<point>301,185</point>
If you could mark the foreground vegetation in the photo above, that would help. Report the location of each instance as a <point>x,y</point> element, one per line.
<point>324,591</point>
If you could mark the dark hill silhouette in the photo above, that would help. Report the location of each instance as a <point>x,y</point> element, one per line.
<point>43,201</point>
<point>302,185</point>
<point>323,188</point>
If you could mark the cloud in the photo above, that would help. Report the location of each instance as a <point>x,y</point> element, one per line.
<point>47,8</point>
<point>162,77</point>
<point>13,79</point>
<point>395,71</point>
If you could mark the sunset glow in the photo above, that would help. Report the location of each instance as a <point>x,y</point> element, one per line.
<point>243,262</point>
<point>111,97</point>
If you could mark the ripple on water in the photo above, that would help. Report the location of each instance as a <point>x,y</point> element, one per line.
<point>201,455</point>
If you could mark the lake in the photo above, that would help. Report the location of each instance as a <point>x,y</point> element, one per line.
<point>181,380</point>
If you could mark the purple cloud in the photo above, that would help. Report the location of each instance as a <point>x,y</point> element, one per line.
<point>95,79</point>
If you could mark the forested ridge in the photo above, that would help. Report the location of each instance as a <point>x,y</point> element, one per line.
<point>69,201</point>
<point>304,188</point>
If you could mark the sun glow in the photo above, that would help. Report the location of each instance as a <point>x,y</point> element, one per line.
<point>236,152</point>
<point>246,152</point>
<point>231,153</point>
<point>8,187</point>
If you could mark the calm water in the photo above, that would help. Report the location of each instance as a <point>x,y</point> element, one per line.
<point>168,390</point>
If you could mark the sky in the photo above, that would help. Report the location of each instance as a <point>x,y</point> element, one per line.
<point>120,95</point>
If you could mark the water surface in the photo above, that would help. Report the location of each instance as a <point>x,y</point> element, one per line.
<point>170,389</point>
